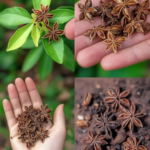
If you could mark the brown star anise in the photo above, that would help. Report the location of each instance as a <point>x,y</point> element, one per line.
<point>114,29</point>
<point>142,10</point>
<point>53,33</point>
<point>43,14</point>
<point>134,25</point>
<point>130,118</point>
<point>95,141</point>
<point>146,28</point>
<point>122,7</point>
<point>113,43</point>
<point>106,123</point>
<point>132,144</point>
<point>117,98</point>
<point>105,10</point>
<point>96,31</point>
<point>86,10</point>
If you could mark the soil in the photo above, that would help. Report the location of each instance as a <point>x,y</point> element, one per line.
<point>139,95</point>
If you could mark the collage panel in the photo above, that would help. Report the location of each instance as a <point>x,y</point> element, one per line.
<point>112,113</point>
<point>36,75</point>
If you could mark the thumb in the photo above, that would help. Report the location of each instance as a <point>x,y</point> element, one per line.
<point>59,117</point>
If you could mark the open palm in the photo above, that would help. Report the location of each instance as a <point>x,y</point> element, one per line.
<point>25,94</point>
<point>135,49</point>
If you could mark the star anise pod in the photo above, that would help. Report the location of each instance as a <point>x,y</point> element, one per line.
<point>106,123</point>
<point>112,21</point>
<point>43,14</point>
<point>86,10</point>
<point>95,141</point>
<point>132,144</point>
<point>134,25</point>
<point>114,29</point>
<point>45,112</point>
<point>53,33</point>
<point>117,98</point>
<point>105,10</point>
<point>130,118</point>
<point>28,111</point>
<point>123,7</point>
<point>29,141</point>
<point>147,28</point>
<point>96,31</point>
<point>113,43</point>
<point>142,10</point>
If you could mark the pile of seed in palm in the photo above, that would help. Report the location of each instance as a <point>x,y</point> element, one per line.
<point>120,19</point>
<point>31,125</point>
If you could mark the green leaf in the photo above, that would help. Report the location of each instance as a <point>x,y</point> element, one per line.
<point>14,16</point>
<point>45,66</point>
<point>61,15</point>
<point>68,59</point>
<point>66,7</point>
<point>55,50</point>
<point>20,37</point>
<point>36,35</point>
<point>32,58</point>
<point>37,3</point>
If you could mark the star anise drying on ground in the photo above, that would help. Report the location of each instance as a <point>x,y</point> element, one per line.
<point>123,7</point>
<point>117,98</point>
<point>130,118</point>
<point>106,123</point>
<point>43,14</point>
<point>132,144</point>
<point>86,10</point>
<point>31,124</point>
<point>142,10</point>
<point>94,141</point>
<point>87,99</point>
<point>96,31</point>
<point>53,33</point>
<point>105,10</point>
<point>113,43</point>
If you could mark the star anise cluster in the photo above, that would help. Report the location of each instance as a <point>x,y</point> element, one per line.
<point>42,16</point>
<point>119,20</point>
<point>31,125</point>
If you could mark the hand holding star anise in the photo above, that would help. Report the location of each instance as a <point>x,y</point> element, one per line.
<point>130,118</point>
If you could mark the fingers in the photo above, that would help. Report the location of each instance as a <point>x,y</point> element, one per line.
<point>14,98</point>
<point>34,94</point>
<point>23,93</point>
<point>11,120</point>
<point>69,29</point>
<point>131,55</point>
<point>59,118</point>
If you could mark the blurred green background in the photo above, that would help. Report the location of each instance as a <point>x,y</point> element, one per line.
<point>57,88</point>
<point>138,70</point>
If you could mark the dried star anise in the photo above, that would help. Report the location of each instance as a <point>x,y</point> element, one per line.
<point>112,42</point>
<point>86,10</point>
<point>53,33</point>
<point>147,28</point>
<point>117,99</point>
<point>96,31</point>
<point>45,112</point>
<point>106,123</point>
<point>105,10</point>
<point>142,10</point>
<point>95,141</point>
<point>43,14</point>
<point>132,144</point>
<point>130,118</point>
<point>87,99</point>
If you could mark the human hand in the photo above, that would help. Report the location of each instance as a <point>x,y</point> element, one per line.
<point>25,94</point>
<point>134,50</point>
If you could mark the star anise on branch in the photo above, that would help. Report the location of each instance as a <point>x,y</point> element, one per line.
<point>130,118</point>
<point>95,141</point>
<point>53,33</point>
<point>86,10</point>
<point>142,10</point>
<point>132,144</point>
<point>123,7</point>
<point>105,10</point>
<point>43,14</point>
<point>106,123</point>
<point>96,31</point>
<point>117,98</point>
